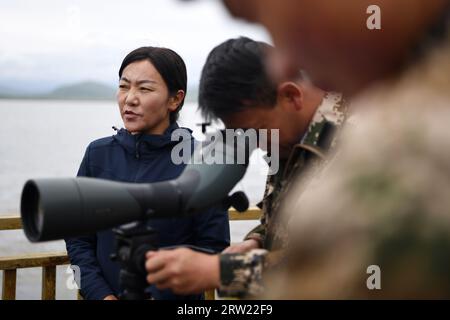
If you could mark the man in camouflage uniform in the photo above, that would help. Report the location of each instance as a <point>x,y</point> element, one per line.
<point>376,222</point>
<point>235,88</point>
<point>318,139</point>
<point>241,273</point>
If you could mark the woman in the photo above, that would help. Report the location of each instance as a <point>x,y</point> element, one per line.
<point>151,92</point>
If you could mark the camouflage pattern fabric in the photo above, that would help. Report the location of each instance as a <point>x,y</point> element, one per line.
<point>383,201</point>
<point>241,274</point>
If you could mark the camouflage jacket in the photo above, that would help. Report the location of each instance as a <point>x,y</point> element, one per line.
<point>382,203</point>
<point>241,274</point>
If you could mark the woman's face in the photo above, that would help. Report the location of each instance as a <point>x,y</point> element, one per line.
<point>144,100</point>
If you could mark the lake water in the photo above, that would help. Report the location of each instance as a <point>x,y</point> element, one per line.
<point>48,139</point>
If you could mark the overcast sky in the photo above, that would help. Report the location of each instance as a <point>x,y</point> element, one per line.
<point>46,43</point>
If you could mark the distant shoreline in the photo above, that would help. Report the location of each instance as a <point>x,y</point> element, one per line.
<point>30,98</point>
<point>81,91</point>
<point>55,98</point>
<point>72,99</point>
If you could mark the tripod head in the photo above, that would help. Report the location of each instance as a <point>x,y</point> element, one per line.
<point>133,240</point>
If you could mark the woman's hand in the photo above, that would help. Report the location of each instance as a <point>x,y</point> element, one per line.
<point>242,247</point>
<point>183,270</point>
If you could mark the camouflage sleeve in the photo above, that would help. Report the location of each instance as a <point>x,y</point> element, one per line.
<point>258,233</point>
<point>241,274</point>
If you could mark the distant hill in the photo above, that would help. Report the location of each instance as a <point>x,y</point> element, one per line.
<point>87,90</point>
<point>6,91</point>
<point>192,94</point>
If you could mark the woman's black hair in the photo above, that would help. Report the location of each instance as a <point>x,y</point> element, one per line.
<point>170,66</point>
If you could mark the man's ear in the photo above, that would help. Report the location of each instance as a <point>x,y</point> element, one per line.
<point>175,100</point>
<point>290,94</point>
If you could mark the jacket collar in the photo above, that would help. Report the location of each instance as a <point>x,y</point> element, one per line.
<point>321,134</point>
<point>142,144</point>
<point>332,111</point>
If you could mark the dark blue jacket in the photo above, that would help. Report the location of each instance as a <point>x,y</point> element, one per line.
<point>139,158</point>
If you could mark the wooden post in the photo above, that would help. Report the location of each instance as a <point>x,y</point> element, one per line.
<point>48,283</point>
<point>34,260</point>
<point>10,222</point>
<point>210,295</point>
<point>9,284</point>
<point>250,214</point>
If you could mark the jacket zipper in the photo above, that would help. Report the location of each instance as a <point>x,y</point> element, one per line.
<point>137,150</point>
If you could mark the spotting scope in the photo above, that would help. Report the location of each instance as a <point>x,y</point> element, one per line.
<point>57,208</point>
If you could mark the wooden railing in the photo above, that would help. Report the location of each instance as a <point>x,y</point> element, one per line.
<point>49,261</point>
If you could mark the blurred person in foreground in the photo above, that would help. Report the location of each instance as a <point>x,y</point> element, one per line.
<point>376,223</point>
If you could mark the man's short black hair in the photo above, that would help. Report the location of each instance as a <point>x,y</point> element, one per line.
<point>234,78</point>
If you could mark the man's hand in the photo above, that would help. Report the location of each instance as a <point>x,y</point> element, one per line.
<point>183,270</point>
<point>110,297</point>
<point>242,247</point>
